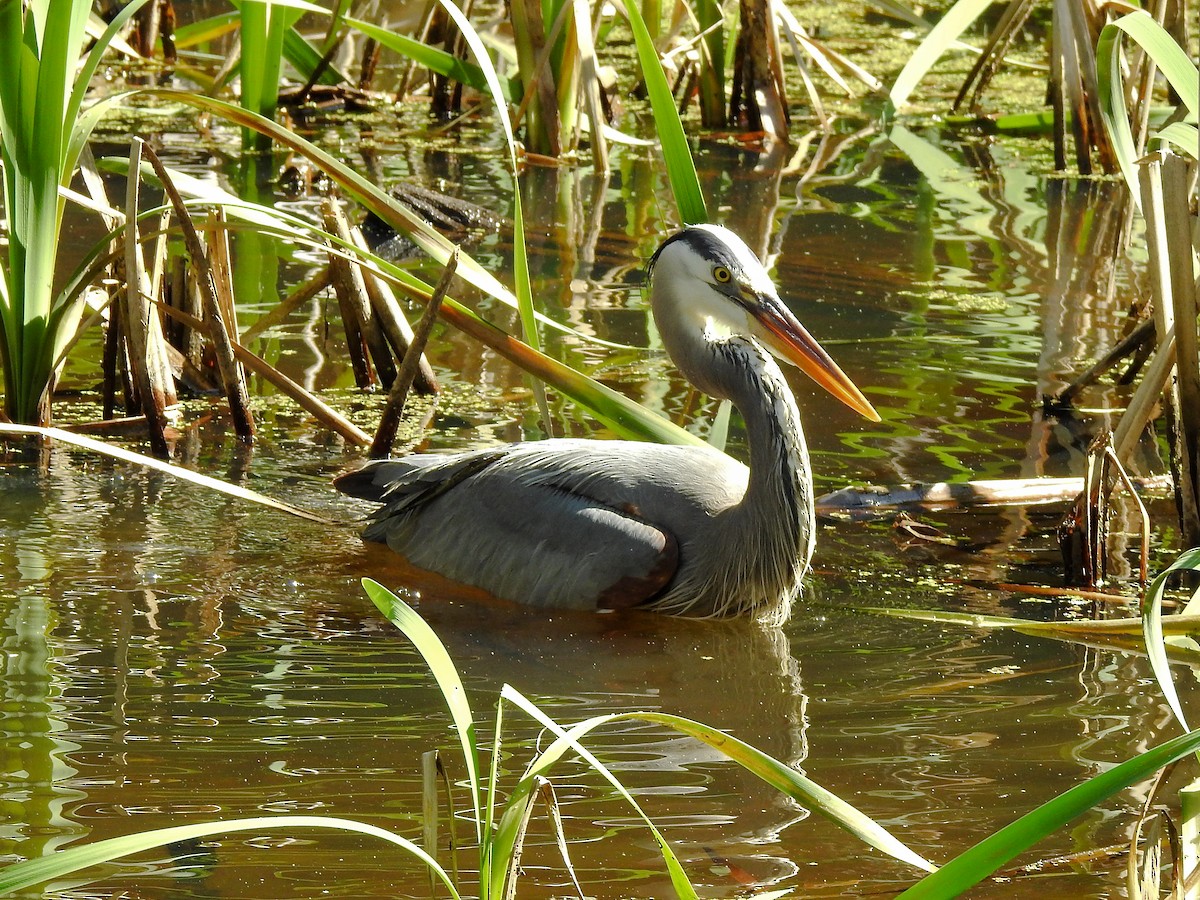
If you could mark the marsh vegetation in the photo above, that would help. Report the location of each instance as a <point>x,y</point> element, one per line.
<point>201,294</point>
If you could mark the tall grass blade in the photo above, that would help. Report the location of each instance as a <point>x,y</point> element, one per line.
<point>522,286</point>
<point>977,863</point>
<point>523,289</point>
<point>1172,61</point>
<point>1152,624</point>
<point>26,874</point>
<point>681,170</point>
<point>440,665</point>
<point>941,37</point>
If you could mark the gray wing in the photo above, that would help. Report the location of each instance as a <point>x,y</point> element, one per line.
<point>497,520</point>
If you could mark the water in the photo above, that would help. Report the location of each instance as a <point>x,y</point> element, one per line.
<point>171,656</point>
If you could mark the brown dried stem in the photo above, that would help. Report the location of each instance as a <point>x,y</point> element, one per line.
<point>393,410</point>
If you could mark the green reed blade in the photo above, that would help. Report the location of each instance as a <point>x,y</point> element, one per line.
<point>445,674</point>
<point>681,170</point>
<point>1171,60</point>
<point>970,868</point>
<point>625,416</point>
<point>23,875</point>
<point>941,37</point>
<point>41,135</point>
<point>568,738</point>
<point>1152,624</point>
<point>775,773</point>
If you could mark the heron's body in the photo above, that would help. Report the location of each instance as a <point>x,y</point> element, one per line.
<point>611,524</point>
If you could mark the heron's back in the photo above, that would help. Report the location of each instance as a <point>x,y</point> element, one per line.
<point>559,523</point>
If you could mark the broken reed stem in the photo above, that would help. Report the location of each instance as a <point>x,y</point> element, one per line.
<point>325,414</point>
<point>393,409</point>
<point>1144,567</point>
<point>140,318</point>
<point>391,320</point>
<point>351,290</point>
<point>214,324</point>
<point>1128,345</point>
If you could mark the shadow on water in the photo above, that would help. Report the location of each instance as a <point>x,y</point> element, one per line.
<point>171,656</point>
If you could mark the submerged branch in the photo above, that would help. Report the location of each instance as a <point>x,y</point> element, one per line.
<point>1001,492</point>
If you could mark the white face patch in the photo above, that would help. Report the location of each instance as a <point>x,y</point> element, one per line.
<point>698,282</point>
<point>716,329</point>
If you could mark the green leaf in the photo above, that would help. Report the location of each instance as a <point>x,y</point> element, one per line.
<point>22,875</point>
<point>977,863</point>
<point>681,170</point>
<point>940,38</point>
<point>1152,624</point>
<point>569,739</point>
<point>1186,138</point>
<point>444,673</point>
<point>1171,60</point>
<point>775,773</point>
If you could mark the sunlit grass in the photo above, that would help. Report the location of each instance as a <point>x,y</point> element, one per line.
<point>498,814</point>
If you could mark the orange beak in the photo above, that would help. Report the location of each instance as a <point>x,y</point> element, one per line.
<point>790,341</point>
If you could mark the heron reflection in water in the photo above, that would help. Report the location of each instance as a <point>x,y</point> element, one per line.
<point>586,524</point>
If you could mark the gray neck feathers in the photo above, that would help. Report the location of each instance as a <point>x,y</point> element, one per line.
<point>768,537</point>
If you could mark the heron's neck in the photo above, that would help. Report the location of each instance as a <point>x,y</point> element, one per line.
<point>772,529</point>
<point>780,486</point>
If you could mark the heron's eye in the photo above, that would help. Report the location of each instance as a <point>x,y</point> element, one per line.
<point>722,275</point>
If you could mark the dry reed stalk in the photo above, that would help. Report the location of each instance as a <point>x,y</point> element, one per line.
<point>325,414</point>
<point>211,290</point>
<point>393,410</point>
<point>759,97</point>
<point>1165,199</point>
<point>143,330</point>
<point>395,327</point>
<point>362,326</point>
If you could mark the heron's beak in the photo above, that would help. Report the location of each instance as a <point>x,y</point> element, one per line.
<point>790,341</point>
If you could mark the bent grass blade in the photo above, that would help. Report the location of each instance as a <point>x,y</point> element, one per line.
<point>979,862</point>
<point>941,37</point>
<point>625,416</point>
<point>1172,61</point>
<point>445,674</point>
<point>149,462</point>
<point>1126,635</point>
<point>22,875</point>
<point>1153,628</point>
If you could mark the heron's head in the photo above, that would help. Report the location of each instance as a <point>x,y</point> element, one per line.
<point>705,281</point>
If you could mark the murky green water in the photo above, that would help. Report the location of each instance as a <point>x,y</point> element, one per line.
<point>174,657</point>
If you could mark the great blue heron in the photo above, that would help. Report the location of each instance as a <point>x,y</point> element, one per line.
<point>587,524</point>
